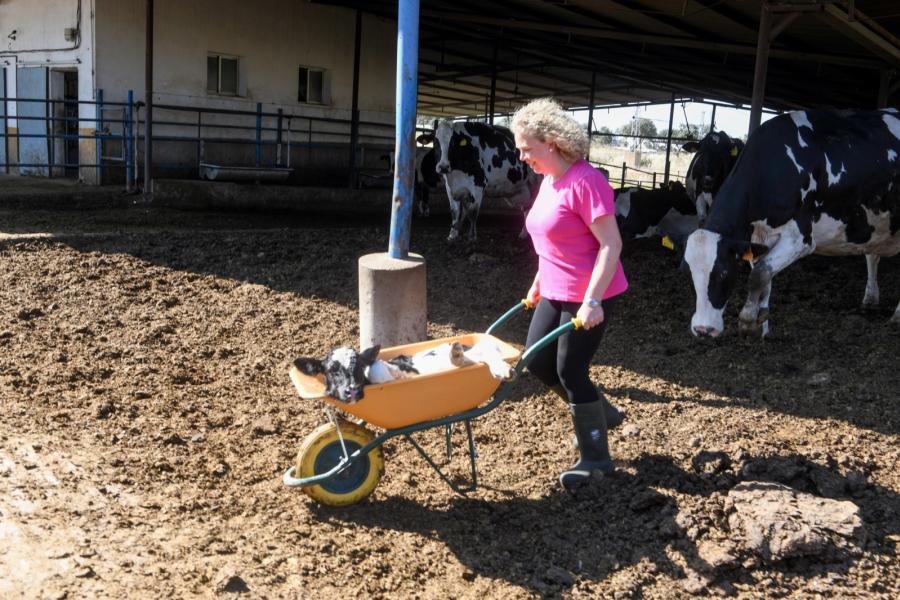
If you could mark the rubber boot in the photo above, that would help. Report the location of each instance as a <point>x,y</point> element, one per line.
<point>590,429</point>
<point>614,414</point>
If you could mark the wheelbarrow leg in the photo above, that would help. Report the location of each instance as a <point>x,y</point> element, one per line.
<point>473,454</point>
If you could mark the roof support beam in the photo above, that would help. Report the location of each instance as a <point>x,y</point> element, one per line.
<point>879,42</point>
<point>649,39</point>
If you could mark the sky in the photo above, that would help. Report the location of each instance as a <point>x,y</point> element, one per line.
<point>731,120</point>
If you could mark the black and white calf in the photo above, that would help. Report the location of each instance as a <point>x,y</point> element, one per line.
<point>714,157</point>
<point>347,371</point>
<point>807,182</point>
<point>477,160</point>
<point>664,211</point>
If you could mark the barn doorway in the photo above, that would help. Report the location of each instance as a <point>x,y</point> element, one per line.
<point>64,121</point>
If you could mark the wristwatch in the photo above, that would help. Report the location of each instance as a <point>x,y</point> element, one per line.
<point>593,303</point>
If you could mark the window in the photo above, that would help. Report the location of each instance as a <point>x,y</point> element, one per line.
<point>222,75</point>
<point>312,85</point>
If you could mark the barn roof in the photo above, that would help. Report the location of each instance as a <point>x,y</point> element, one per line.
<point>834,53</point>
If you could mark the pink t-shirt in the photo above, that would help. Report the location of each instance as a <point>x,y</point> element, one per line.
<point>558,224</point>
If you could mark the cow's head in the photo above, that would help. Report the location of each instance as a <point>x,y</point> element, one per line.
<point>715,156</point>
<point>344,369</point>
<point>714,262</point>
<point>454,149</point>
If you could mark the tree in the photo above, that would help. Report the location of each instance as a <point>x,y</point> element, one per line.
<point>604,136</point>
<point>641,127</point>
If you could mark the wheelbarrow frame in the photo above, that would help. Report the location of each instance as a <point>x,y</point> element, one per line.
<point>499,395</point>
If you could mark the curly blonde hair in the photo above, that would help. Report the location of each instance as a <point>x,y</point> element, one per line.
<point>546,120</point>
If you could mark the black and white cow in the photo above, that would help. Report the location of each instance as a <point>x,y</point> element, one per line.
<point>427,178</point>
<point>811,181</point>
<point>664,211</point>
<point>477,160</point>
<point>714,157</point>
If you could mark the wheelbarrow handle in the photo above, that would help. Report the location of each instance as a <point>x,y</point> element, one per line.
<point>522,305</point>
<point>546,341</point>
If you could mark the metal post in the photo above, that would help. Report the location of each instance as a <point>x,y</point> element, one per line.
<point>762,64</point>
<point>129,166</point>
<point>493,98</point>
<point>404,148</point>
<point>199,141</point>
<point>624,168</point>
<point>137,136</point>
<point>591,114</point>
<point>669,141</point>
<point>148,93</point>
<point>98,128</point>
<point>712,121</point>
<point>354,103</point>
<point>278,138</point>
<point>258,133</point>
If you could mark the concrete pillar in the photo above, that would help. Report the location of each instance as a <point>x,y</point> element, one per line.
<point>392,306</point>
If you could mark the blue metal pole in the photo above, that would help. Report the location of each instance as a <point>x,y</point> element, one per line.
<point>258,134</point>
<point>405,149</point>
<point>98,127</point>
<point>129,139</point>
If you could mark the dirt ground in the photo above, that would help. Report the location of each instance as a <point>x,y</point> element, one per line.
<point>146,418</point>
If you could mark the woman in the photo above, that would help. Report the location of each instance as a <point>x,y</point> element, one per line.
<point>573,228</point>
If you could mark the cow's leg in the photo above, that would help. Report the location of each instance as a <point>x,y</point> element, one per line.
<point>871,298</point>
<point>474,209</point>
<point>455,214</point>
<point>789,248</point>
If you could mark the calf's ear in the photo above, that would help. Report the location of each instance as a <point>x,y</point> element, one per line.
<point>425,138</point>
<point>368,356</point>
<point>690,146</point>
<point>309,366</point>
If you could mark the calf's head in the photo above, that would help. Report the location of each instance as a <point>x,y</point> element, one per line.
<point>344,369</point>
<point>714,262</point>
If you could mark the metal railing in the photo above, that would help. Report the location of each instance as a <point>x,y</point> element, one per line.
<point>272,136</point>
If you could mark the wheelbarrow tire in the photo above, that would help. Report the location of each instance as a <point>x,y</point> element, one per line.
<point>321,451</point>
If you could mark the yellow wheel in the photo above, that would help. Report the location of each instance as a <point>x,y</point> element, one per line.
<point>321,451</point>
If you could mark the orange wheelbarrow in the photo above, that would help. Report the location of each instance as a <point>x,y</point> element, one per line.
<point>341,462</point>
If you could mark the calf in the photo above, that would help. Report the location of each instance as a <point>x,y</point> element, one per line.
<point>665,211</point>
<point>810,181</point>
<point>715,156</point>
<point>347,371</point>
<point>477,160</point>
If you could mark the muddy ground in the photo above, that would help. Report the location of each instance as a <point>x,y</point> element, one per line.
<point>146,417</point>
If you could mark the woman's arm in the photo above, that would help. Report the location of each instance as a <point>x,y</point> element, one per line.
<point>606,231</point>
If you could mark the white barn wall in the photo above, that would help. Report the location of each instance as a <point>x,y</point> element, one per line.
<point>40,41</point>
<point>272,39</point>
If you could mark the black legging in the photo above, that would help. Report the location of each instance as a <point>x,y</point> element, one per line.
<point>568,360</point>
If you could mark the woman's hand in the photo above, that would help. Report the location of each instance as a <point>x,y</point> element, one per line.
<point>590,316</point>
<point>534,293</point>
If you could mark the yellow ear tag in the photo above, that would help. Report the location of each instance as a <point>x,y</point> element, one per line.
<point>748,255</point>
<point>668,243</point>
<point>734,151</point>
<point>463,142</point>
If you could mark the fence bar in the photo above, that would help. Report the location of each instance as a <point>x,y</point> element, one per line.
<point>258,133</point>
<point>129,169</point>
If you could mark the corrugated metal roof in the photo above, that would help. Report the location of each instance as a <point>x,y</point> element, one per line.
<point>830,53</point>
